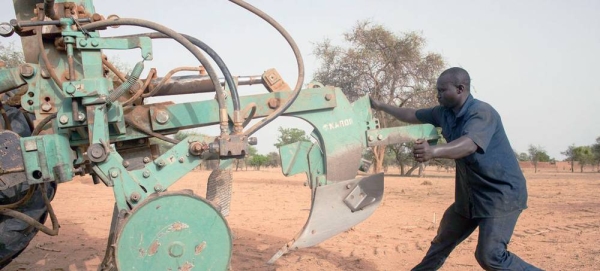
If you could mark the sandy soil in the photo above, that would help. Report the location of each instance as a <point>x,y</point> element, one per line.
<point>559,231</point>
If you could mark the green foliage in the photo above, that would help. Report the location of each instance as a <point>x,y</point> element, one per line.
<point>290,135</point>
<point>537,154</point>
<point>10,55</point>
<point>583,155</point>
<point>273,159</point>
<point>523,157</point>
<point>258,160</point>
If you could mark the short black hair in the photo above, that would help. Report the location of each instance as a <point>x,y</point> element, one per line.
<point>460,75</point>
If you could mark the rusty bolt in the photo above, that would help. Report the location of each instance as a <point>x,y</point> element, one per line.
<point>379,137</point>
<point>64,119</point>
<point>135,197</point>
<point>197,148</point>
<point>26,70</point>
<point>146,160</point>
<point>328,97</point>
<point>273,103</point>
<point>146,174</point>
<point>125,163</point>
<point>348,186</point>
<point>161,116</point>
<point>46,107</point>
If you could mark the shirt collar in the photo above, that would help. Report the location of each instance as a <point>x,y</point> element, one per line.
<point>465,106</point>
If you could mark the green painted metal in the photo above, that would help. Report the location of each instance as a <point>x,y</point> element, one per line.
<point>195,114</point>
<point>186,233</point>
<point>394,135</point>
<point>186,230</point>
<point>47,158</point>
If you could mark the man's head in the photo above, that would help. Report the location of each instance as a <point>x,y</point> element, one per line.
<point>453,88</point>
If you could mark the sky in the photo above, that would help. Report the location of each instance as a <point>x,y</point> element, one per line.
<point>535,62</point>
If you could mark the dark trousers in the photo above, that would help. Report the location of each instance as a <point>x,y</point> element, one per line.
<point>491,253</point>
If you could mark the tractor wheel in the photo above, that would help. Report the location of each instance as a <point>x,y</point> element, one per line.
<point>15,234</point>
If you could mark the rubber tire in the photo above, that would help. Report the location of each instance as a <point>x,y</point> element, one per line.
<point>15,234</point>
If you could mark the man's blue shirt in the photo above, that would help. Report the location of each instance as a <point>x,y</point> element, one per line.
<point>489,182</point>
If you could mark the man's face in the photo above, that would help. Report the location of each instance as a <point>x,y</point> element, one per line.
<point>448,94</point>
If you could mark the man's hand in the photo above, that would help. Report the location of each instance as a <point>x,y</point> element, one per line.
<point>422,151</point>
<point>375,104</point>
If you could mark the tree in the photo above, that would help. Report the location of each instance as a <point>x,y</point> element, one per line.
<point>290,135</point>
<point>583,155</point>
<point>258,160</point>
<point>11,56</point>
<point>391,68</point>
<point>596,153</point>
<point>537,154</point>
<point>273,159</point>
<point>570,154</point>
<point>523,157</point>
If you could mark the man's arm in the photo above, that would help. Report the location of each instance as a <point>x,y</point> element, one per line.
<point>403,114</point>
<point>459,148</point>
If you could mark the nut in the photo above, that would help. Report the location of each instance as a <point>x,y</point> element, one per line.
<point>273,103</point>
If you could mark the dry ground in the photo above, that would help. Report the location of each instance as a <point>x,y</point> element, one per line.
<point>559,231</point>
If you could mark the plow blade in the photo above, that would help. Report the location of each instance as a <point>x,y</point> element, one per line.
<point>336,208</point>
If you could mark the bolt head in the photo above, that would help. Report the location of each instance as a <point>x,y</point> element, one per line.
<point>146,174</point>
<point>95,43</point>
<point>379,137</point>
<point>328,97</point>
<point>158,188</point>
<point>83,43</point>
<point>26,70</point>
<point>135,197</point>
<point>46,107</point>
<point>114,174</point>
<point>64,119</point>
<point>370,138</point>
<point>161,116</point>
<point>146,160</point>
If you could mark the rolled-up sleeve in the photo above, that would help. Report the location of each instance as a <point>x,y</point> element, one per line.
<point>430,115</point>
<point>480,126</point>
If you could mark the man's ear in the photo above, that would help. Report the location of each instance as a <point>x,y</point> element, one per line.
<point>460,88</point>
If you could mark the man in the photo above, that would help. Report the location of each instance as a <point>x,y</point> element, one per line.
<point>490,190</point>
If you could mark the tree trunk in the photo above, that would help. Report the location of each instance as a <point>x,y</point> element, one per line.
<point>410,171</point>
<point>378,155</point>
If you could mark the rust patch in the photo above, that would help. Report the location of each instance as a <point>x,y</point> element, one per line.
<point>142,252</point>
<point>186,266</point>
<point>178,226</point>
<point>200,247</point>
<point>153,248</point>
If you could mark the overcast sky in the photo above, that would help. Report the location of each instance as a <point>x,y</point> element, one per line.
<point>536,62</point>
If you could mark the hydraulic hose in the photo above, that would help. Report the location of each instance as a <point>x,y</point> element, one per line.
<point>299,60</point>
<point>188,45</point>
<point>235,98</point>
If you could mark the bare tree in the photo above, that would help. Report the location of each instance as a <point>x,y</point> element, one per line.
<point>389,67</point>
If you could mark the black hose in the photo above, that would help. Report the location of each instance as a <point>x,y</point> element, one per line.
<point>299,60</point>
<point>187,44</point>
<point>38,129</point>
<point>235,97</point>
<point>49,9</point>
